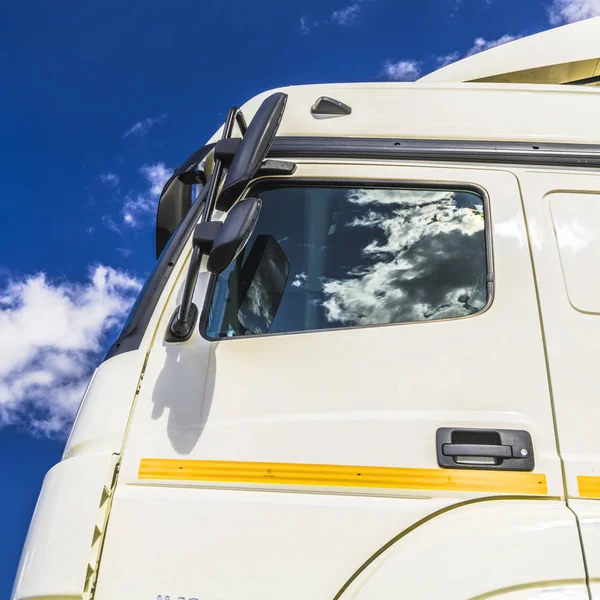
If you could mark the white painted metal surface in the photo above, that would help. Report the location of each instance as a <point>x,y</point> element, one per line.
<point>572,336</point>
<point>563,224</point>
<point>576,220</point>
<point>209,543</point>
<point>571,43</point>
<point>57,550</point>
<point>102,419</point>
<point>283,405</point>
<point>274,399</point>
<point>474,111</point>
<point>481,550</point>
<point>588,512</point>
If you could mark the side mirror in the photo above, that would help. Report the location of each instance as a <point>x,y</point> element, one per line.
<point>176,197</point>
<point>252,149</point>
<point>264,276</point>
<point>233,234</point>
<point>222,242</point>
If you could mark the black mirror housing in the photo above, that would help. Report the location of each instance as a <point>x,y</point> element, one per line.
<point>252,149</point>
<point>233,234</point>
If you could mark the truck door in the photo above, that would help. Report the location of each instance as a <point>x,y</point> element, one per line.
<point>398,376</point>
<point>563,213</point>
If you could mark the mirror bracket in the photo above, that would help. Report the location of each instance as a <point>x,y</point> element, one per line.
<point>193,178</point>
<point>183,320</point>
<point>205,235</point>
<point>225,150</point>
<point>178,331</point>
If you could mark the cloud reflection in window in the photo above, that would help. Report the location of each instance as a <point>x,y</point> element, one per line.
<point>426,259</point>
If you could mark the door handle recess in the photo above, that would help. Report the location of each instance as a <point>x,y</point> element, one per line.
<point>486,450</point>
<point>495,449</point>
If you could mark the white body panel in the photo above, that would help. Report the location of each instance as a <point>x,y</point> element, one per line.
<point>219,544</point>
<point>572,336</point>
<point>58,548</point>
<point>588,512</point>
<point>481,551</point>
<point>254,545</point>
<point>471,111</point>
<point>563,211</point>
<point>576,221</point>
<point>256,415</point>
<point>102,418</point>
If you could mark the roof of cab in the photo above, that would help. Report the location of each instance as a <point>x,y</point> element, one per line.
<point>460,111</point>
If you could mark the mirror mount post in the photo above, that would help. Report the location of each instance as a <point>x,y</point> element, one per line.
<point>183,320</point>
<point>234,116</point>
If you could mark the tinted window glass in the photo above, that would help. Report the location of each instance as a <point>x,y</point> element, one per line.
<point>322,258</point>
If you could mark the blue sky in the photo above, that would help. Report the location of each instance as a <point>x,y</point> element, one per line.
<point>99,102</point>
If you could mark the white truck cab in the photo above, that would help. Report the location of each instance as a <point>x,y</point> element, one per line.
<point>365,365</point>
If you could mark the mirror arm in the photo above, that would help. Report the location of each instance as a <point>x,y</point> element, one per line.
<point>190,285</point>
<point>234,116</point>
<point>182,322</point>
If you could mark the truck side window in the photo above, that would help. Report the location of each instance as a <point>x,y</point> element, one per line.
<point>360,257</point>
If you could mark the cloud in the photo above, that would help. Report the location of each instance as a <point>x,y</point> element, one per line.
<point>109,224</point>
<point>479,44</point>
<point>342,17</point>
<point>141,128</point>
<point>446,59</point>
<point>138,207</point>
<point>52,334</point>
<point>456,7</point>
<point>346,15</point>
<point>110,179</point>
<point>404,70</point>
<point>569,11</point>
<point>304,27</point>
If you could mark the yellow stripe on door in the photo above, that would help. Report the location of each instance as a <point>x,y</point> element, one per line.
<point>502,482</point>
<point>589,487</point>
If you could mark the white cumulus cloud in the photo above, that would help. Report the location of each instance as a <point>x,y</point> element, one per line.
<point>480,44</point>
<point>141,128</point>
<point>404,70</point>
<point>347,15</point>
<point>52,334</point>
<point>447,59</point>
<point>110,179</point>
<point>138,207</point>
<point>304,26</point>
<point>569,11</point>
